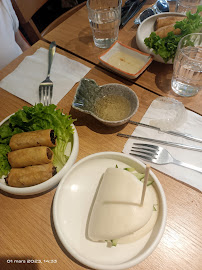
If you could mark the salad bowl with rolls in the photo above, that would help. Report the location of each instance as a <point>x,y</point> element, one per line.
<point>160,34</point>
<point>37,147</point>
<point>147,27</point>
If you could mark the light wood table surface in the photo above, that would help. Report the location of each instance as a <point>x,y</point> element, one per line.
<point>75,36</point>
<point>26,223</point>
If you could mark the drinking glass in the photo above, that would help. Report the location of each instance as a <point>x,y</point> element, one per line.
<point>182,6</point>
<point>104,17</point>
<point>187,68</point>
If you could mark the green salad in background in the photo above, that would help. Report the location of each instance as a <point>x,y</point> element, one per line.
<point>36,118</point>
<point>166,47</point>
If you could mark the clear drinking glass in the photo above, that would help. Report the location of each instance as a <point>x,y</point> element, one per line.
<point>187,68</point>
<point>182,6</point>
<point>104,17</point>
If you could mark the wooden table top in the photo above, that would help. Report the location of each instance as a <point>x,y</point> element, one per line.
<point>75,36</point>
<point>27,228</point>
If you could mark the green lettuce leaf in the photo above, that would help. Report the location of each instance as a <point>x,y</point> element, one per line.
<point>139,176</point>
<point>4,165</point>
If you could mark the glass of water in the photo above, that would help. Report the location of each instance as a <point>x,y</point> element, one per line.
<point>182,6</point>
<point>187,68</point>
<point>104,17</point>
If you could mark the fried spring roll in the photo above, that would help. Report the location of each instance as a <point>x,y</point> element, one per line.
<point>30,156</point>
<point>33,138</point>
<point>30,176</point>
<point>165,21</point>
<point>163,31</point>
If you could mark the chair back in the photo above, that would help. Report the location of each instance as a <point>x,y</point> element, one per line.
<point>25,9</point>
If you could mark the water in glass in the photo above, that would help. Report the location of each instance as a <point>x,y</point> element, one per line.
<point>187,68</point>
<point>182,6</point>
<point>104,17</point>
<point>105,28</point>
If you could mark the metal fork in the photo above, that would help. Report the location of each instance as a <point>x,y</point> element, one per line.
<point>158,155</point>
<point>46,86</point>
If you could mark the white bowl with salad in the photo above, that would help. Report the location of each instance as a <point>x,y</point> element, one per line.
<point>163,49</point>
<point>34,118</point>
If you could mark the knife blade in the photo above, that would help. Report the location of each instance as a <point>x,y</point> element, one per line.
<point>180,145</point>
<point>175,133</point>
<point>129,10</point>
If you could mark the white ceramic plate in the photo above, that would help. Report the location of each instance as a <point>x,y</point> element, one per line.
<point>144,30</point>
<point>118,47</point>
<point>52,181</point>
<point>72,202</point>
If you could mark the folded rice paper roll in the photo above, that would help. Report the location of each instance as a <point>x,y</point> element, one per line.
<point>44,137</point>
<point>30,156</point>
<point>30,176</point>
<point>163,31</point>
<point>168,20</point>
<point>117,211</point>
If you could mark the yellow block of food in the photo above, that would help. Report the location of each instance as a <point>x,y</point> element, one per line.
<point>165,21</point>
<point>163,31</point>
<point>30,176</point>
<point>44,137</point>
<point>30,156</point>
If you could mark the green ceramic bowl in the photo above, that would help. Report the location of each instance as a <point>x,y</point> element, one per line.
<point>88,93</point>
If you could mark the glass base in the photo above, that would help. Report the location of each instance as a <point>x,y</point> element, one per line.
<point>183,89</point>
<point>104,43</point>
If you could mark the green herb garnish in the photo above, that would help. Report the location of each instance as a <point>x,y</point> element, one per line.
<point>114,243</point>
<point>139,176</point>
<point>130,169</point>
<point>154,207</point>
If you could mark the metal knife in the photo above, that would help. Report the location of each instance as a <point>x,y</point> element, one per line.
<point>184,146</point>
<point>175,133</point>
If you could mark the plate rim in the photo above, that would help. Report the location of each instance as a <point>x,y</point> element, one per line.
<point>73,251</point>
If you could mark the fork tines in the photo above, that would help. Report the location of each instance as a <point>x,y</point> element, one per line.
<point>144,151</point>
<point>151,146</point>
<point>46,93</point>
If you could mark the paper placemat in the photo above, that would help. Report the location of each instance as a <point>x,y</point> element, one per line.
<point>193,126</point>
<point>24,81</point>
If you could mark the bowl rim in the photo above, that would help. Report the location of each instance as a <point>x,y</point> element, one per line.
<point>147,63</point>
<point>131,262</point>
<point>50,183</point>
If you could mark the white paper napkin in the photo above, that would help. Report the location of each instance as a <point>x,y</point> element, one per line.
<point>193,125</point>
<point>24,81</point>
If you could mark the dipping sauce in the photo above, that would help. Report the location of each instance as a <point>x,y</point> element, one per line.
<point>112,108</point>
<point>126,62</point>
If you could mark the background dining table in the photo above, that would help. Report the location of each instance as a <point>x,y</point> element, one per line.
<point>75,35</point>
<point>27,227</point>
